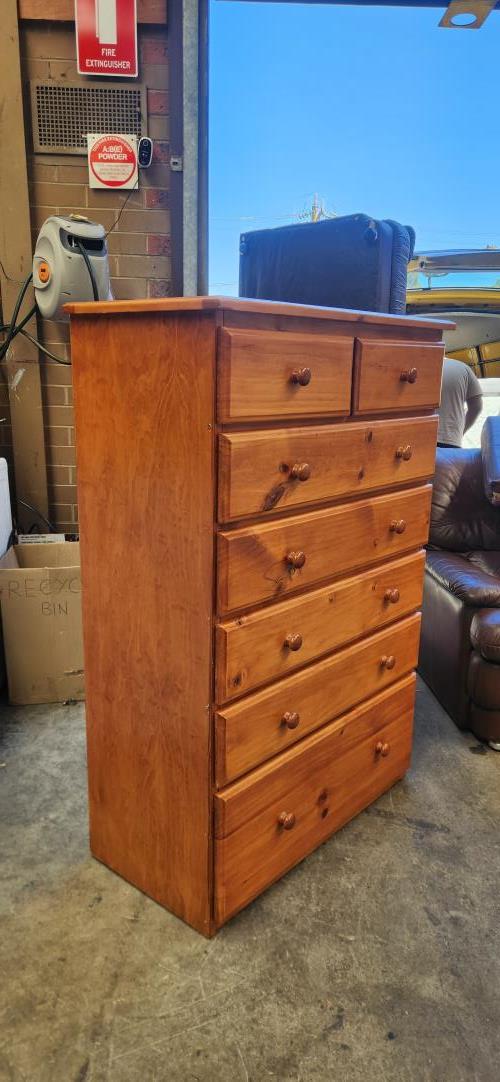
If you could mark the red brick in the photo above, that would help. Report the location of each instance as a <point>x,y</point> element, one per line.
<point>61,493</point>
<point>57,416</point>
<point>159,288</point>
<point>153,52</point>
<point>60,475</point>
<point>55,375</point>
<point>161,151</point>
<point>55,396</point>
<point>59,456</point>
<point>158,174</point>
<point>158,102</point>
<point>146,221</point>
<point>46,193</point>
<point>125,289</point>
<point>158,244</point>
<point>155,76</point>
<point>156,197</point>
<point>127,243</point>
<point>55,438</point>
<point>60,512</point>
<point>158,128</point>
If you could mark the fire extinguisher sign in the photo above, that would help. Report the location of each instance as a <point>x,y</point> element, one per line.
<point>106,37</point>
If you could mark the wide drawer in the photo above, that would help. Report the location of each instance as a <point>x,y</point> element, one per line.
<point>266,561</point>
<point>268,722</point>
<point>267,471</point>
<point>396,376</point>
<point>268,821</point>
<point>271,643</point>
<point>263,374</point>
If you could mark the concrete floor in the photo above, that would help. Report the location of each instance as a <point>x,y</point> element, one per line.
<point>376,960</point>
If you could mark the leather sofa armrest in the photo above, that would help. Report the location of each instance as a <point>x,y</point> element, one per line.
<point>490,453</point>
<point>485,635</point>
<point>469,584</point>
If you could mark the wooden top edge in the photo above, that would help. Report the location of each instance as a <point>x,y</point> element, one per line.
<point>239,304</point>
<point>148,11</point>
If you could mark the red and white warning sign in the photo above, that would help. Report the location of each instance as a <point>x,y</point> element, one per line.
<point>106,37</point>
<point>112,161</point>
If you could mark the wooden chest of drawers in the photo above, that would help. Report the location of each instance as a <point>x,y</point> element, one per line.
<point>254,501</point>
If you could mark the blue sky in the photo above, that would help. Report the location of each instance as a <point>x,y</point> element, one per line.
<point>376,110</point>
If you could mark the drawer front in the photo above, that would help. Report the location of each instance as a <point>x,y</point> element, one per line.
<point>270,721</point>
<point>265,374</point>
<point>270,820</point>
<point>271,643</point>
<point>267,471</point>
<point>396,376</point>
<point>267,561</point>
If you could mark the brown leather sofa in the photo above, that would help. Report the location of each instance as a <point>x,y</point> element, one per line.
<point>460,645</point>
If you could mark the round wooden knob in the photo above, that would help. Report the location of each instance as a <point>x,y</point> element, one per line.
<point>296,559</point>
<point>388,661</point>
<point>404,453</point>
<point>398,525</point>
<point>286,820</point>
<point>382,749</point>
<point>301,471</point>
<point>392,596</point>
<point>301,376</point>
<point>290,719</point>
<point>294,642</point>
<point>409,376</point>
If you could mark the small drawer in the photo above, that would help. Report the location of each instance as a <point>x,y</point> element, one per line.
<point>270,643</point>
<point>268,471</point>
<point>248,733</point>
<point>265,562</point>
<point>392,377</point>
<point>264,374</point>
<point>271,819</point>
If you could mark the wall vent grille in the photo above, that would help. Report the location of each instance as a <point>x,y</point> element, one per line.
<point>63,114</point>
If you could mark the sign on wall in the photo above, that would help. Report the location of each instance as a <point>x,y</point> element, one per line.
<point>106,37</point>
<point>112,161</point>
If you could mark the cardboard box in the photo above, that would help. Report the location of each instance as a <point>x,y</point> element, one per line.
<point>40,591</point>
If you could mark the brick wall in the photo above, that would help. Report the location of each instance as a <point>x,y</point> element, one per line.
<point>139,246</point>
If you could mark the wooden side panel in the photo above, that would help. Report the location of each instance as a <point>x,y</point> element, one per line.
<point>316,788</point>
<point>395,377</point>
<point>266,562</point>
<point>273,471</point>
<point>254,648</point>
<point>254,730</point>
<point>144,392</point>
<point>260,375</point>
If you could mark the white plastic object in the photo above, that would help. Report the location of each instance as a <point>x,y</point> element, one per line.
<point>5,511</point>
<point>60,273</point>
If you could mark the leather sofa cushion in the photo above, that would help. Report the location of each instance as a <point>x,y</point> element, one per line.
<point>489,562</point>
<point>468,582</point>
<point>462,520</point>
<point>490,452</point>
<point>485,634</point>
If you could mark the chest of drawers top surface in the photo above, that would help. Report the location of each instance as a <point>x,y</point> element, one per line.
<point>248,306</point>
<point>260,472</point>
